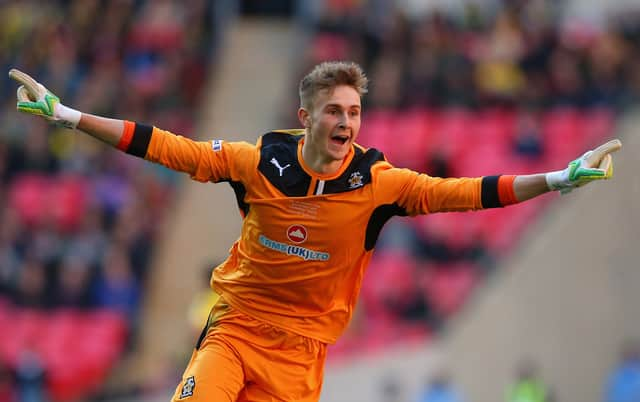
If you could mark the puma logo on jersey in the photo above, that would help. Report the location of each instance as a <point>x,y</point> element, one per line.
<point>275,163</point>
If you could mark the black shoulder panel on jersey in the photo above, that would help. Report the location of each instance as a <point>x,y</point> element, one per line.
<point>240,191</point>
<point>357,175</point>
<point>378,218</point>
<point>279,164</point>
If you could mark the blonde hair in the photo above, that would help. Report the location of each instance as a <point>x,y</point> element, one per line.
<point>328,75</point>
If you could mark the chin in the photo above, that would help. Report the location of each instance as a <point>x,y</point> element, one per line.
<point>339,154</point>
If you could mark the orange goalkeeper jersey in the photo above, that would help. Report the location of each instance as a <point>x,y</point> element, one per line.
<point>307,238</point>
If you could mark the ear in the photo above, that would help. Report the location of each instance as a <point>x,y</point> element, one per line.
<point>304,117</point>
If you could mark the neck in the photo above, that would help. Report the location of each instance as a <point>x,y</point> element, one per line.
<point>316,162</point>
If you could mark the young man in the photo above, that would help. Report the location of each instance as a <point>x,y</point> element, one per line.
<point>313,203</point>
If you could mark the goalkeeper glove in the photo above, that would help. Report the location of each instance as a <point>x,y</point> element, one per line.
<point>34,98</point>
<point>580,172</point>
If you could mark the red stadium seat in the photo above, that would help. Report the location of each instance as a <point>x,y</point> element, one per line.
<point>329,46</point>
<point>563,135</point>
<point>598,125</point>
<point>38,198</point>
<point>77,348</point>
<point>452,131</point>
<point>503,227</point>
<point>376,128</point>
<point>494,126</point>
<point>390,274</point>
<point>67,201</point>
<point>409,146</point>
<point>447,287</point>
<point>28,196</point>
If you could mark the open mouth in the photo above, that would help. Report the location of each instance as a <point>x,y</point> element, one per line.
<point>340,138</point>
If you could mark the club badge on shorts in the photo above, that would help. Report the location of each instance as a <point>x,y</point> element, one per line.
<point>188,387</point>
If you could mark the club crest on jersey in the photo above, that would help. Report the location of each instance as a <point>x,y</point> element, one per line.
<point>188,387</point>
<point>297,233</point>
<point>355,180</point>
<point>216,145</point>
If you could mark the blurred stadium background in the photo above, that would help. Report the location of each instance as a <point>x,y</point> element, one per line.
<point>104,259</point>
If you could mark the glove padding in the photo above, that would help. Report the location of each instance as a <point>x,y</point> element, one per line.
<point>35,99</point>
<point>593,165</point>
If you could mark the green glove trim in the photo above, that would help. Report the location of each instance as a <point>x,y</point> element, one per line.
<point>579,174</point>
<point>44,107</point>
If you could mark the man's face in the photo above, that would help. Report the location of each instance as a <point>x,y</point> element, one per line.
<point>333,122</point>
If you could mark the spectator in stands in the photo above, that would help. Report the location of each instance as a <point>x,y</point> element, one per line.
<point>606,57</point>
<point>34,154</point>
<point>387,73</point>
<point>440,388</point>
<point>74,283</point>
<point>528,136</point>
<point>438,164</point>
<point>520,56</point>
<point>528,386</point>
<point>498,73</point>
<point>117,288</point>
<point>89,242</point>
<point>11,232</point>
<point>31,288</point>
<point>623,384</point>
<point>432,243</point>
<point>31,377</point>
<point>7,384</point>
<point>4,163</point>
<point>391,390</point>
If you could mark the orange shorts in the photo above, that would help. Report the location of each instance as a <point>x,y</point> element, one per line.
<point>239,358</point>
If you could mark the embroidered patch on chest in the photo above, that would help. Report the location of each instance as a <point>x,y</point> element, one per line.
<point>188,387</point>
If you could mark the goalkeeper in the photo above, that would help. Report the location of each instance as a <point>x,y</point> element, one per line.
<point>313,203</point>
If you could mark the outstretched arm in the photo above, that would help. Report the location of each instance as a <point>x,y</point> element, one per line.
<point>202,160</point>
<point>421,194</point>
<point>34,98</point>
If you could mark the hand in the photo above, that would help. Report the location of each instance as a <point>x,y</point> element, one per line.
<point>593,165</point>
<point>34,98</point>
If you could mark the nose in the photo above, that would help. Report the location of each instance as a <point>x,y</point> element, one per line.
<point>342,124</point>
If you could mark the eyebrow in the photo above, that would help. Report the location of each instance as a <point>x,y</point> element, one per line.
<point>340,106</point>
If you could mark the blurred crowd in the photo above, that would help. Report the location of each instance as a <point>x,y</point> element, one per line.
<point>517,53</point>
<point>77,219</point>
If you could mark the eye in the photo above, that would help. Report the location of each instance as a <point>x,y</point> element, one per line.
<point>354,113</point>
